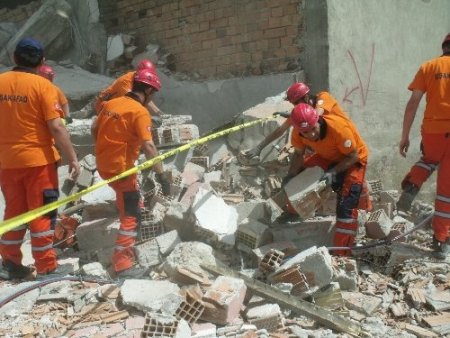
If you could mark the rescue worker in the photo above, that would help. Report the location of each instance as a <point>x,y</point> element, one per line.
<point>48,72</point>
<point>30,126</point>
<point>122,85</point>
<point>341,152</point>
<point>432,78</point>
<point>122,128</point>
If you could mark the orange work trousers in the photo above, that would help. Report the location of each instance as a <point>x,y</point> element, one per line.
<point>349,186</point>
<point>436,150</point>
<point>128,200</point>
<point>25,189</point>
<point>420,171</point>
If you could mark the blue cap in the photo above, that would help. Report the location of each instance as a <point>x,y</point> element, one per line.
<point>29,46</point>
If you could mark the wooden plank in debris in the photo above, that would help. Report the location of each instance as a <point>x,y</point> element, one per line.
<point>320,315</point>
<point>417,297</point>
<point>417,330</point>
<point>112,317</point>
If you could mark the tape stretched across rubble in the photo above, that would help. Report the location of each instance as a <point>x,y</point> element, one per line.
<point>16,221</point>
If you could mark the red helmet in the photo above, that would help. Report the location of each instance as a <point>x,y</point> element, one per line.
<point>146,64</point>
<point>296,92</point>
<point>47,72</point>
<point>304,117</point>
<point>148,77</point>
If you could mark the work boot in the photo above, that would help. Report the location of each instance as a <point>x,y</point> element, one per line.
<point>135,272</point>
<point>409,192</point>
<point>441,250</point>
<point>14,271</point>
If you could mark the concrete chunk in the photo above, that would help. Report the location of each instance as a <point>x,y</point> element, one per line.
<point>362,303</point>
<point>148,254</point>
<point>97,234</point>
<point>378,225</point>
<point>167,242</point>
<point>223,300</point>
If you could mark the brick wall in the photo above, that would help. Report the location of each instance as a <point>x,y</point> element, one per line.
<point>19,14</point>
<point>214,38</point>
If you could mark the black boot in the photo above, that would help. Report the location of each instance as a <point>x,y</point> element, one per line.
<point>14,271</point>
<point>409,192</point>
<point>441,250</point>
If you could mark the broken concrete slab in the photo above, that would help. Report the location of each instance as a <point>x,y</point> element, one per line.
<point>159,295</point>
<point>97,234</point>
<point>167,242</point>
<point>362,303</point>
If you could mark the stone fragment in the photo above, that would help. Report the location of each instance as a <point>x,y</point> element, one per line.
<point>362,303</point>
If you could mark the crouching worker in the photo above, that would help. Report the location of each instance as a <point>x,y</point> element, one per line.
<point>122,128</point>
<point>341,152</point>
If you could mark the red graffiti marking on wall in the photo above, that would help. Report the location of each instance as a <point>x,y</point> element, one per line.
<point>364,90</point>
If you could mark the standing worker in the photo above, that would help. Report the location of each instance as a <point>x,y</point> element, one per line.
<point>342,153</point>
<point>432,78</point>
<point>123,84</point>
<point>122,128</point>
<point>48,72</point>
<point>30,125</point>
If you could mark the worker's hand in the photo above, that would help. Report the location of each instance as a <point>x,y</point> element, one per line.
<point>69,120</point>
<point>165,184</point>
<point>285,114</point>
<point>254,152</point>
<point>329,177</point>
<point>74,170</point>
<point>286,179</point>
<point>403,146</point>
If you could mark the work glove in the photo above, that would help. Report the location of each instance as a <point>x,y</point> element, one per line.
<point>286,179</point>
<point>285,114</point>
<point>165,184</point>
<point>69,120</point>
<point>329,177</point>
<point>254,152</point>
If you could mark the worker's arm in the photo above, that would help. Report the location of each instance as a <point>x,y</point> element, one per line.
<point>154,110</point>
<point>296,165</point>
<point>94,128</point>
<point>66,110</point>
<point>349,160</point>
<point>62,139</point>
<point>150,151</point>
<point>408,119</point>
<point>277,133</point>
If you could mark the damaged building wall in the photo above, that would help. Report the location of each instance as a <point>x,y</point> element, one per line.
<point>219,38</point>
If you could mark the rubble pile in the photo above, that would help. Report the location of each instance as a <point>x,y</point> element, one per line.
<point>221,264</point>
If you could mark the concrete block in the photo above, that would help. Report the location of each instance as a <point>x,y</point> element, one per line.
<point>85,179</point>
<point>95,211</point>
<point>158,325</point>
<point>204,330</point>
<point>252,234</point>
<point>274,209</point>
<point>389,196</point>
<point>346,273</point>
<point>223,300</point>
<point>265,317</point>
<point>401,252</point>
<point>378,225</point>
<point>375,188</point>
<point>317,231</point>
<point>188,255</point>
<point>192,307</point>
<point>178,217</point>
<point>215,217</point>
<point>100,195</point>
<point>252,209</point>
<point>88,162</point>
<point>286,247</point>
<point>294,277</point>
<point>192,173</point>
<point>98,234</point>
<point>330,297</point>
<point>94,269</point>
<point>303,191</point>
<point>159,295</point>
<point>213,176</point>
<point>400,226</point>
<point>315,264</point>
<point>361,303</point>
<point>147,253</point>
<point>167,242</point>
<point>271,261</point>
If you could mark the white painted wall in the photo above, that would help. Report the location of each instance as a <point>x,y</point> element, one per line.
<point>375,49</point>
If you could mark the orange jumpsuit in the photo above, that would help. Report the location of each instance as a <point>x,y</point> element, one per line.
<point>123,125</point>
<point>338,138</point>
<point>326,104</point>
<point>28,162</point>
<point>433,78</point>
<point>119,87</point>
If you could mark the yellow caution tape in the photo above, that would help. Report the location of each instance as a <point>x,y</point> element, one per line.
<point>16,221</point>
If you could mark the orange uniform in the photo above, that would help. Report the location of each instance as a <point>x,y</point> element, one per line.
<point>28,162</point>
<point>62,99</point>
<point>119,87</point>
<point>433,78</point>
<point>339,138</point>
<point>123,125</point>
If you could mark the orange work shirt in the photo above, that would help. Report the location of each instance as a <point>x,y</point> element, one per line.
<point>339,140</point>
<point>119,87</point>
<point>27,102</point>
<point>433,78</point>
<point>123,125</point>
